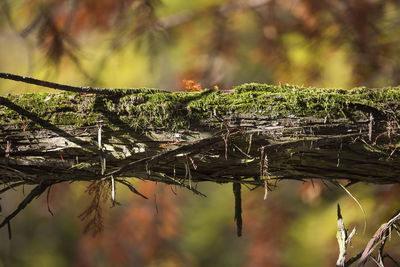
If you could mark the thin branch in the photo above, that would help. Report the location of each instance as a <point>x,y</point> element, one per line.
<point>380,235</point>
<point>36,192</point>
<point>391,258</point>
<point>47,200</point>
<point>353,259</point>
<point>133,190</point>
<point>11,186</point>
<point>9,230</point>
<point>176,182</point>
<point>64,87</point>
<point>44,123</point>
<point>355,199</point>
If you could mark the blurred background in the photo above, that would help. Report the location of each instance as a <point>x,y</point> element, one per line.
<point>154,43</point>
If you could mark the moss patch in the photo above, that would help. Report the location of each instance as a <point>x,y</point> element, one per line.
<point>142,108</point>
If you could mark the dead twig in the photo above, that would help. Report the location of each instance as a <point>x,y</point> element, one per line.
<point>264,174</point>
<point>11,186</point>
<point>178,183</point>
<point>69,88</point>
<point>93,213</point>
<point>48,202</point>
<point>343,239</point>
<point>379,237</point>
<point>183,150</point>
<point>36,192</point>
<point>238,207</point>
<point>130,186</point>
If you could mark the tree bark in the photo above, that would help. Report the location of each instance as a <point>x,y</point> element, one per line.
<point>187,137</point>
<point>253,134</point>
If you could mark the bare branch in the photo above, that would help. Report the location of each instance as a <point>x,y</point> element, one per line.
<point>69,88</point>
<point>380,236</point>
<point>130,186</point>
<point>36,192</point>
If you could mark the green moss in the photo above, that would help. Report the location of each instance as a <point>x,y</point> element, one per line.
<point>142,108</point>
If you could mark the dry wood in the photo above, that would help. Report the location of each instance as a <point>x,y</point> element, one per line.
<point>97,134</point>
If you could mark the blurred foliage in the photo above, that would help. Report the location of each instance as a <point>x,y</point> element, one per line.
<point>134,43</point>
<point>154,43</point>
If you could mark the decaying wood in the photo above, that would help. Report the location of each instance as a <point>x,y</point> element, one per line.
<point>34,150</point>
<point>307,148</point>
<point>184,138</point>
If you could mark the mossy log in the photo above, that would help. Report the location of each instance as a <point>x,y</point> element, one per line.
<point>252,134</point>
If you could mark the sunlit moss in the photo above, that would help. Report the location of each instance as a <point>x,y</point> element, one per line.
<point>143,108</point>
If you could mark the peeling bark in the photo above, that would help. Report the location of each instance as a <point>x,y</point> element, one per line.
<point>254,134</point>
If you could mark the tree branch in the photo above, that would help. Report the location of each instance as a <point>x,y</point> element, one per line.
<point>63,87</point>
<point>36,192</point>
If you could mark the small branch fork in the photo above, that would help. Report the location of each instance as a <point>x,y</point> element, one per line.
<point>379,239</point>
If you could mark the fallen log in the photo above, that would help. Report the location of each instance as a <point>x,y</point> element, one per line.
<point>202,136</point>
<point>253,134</point>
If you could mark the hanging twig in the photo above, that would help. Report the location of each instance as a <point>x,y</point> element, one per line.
<point>47,200</point>
<point>355,200</point>
<point>264,173</point>
<point>101,149</point>
<point>226,139</point>
<point>238,207</point>
<point>9,230</point>
<point>130,186</point>
<point>176,182</point>
<point>112,191</point>
<point>11,186</point>
<point>186,149</point>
